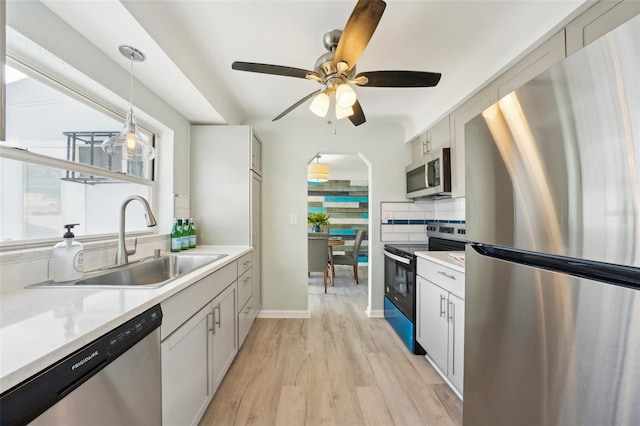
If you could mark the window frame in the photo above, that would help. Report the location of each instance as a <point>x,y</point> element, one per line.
<point>27,157</point>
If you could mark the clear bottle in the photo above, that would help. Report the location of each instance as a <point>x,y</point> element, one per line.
<point>192,233</point>
<point>185,234</point>
<point>176,235</point>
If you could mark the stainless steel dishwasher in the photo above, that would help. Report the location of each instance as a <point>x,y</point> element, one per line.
<point>114,380</point>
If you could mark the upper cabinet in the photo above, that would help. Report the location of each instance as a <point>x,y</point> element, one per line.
<point>459,118</point>
<point>541,59</point>
<point>436,137</point>
<point>256,155</point>
<point>601,18</point>
<point>598,20</point>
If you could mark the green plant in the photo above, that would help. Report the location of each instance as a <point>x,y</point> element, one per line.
<point>318,218</point>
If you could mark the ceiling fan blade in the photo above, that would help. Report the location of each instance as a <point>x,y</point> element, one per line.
<point>400,78</point>
<point>359,29</point>
<point>357,118</point>
<point>272,69</point>
<point>297,104</point>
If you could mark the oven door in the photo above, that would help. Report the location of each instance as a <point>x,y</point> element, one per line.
<point>399,282</point>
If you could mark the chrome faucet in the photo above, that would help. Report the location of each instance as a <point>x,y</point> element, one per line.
<point>122,254</point>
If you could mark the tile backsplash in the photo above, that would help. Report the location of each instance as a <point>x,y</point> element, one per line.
<point>406,221</point>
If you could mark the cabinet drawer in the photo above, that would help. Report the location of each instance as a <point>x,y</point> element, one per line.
<point>245,320</point>
<point>244,263</point>
<point>245,288</point>
<point>447,278</point>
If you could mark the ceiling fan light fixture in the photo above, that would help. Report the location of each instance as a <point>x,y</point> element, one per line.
<point>345,96</point>
<point>320,105</point>
<point>129,144</point>
<point>343,112</point>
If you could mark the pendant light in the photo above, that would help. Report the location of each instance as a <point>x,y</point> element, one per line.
<point>318,172</point>
<point>129,144</point>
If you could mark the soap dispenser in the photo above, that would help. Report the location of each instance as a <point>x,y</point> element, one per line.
<point>68,257</point>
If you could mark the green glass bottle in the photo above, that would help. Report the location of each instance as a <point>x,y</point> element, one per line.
<point>176,236</point>
<point>192,233</point>
<point>185,234</point>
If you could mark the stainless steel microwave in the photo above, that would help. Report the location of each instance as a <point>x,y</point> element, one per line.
<point>430,177</point>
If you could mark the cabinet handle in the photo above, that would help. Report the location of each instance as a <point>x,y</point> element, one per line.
<point>442,312</point>
<point>247,279</point>
<point>453,337</point>
<point>447,275</point>
<point>219,316</point>
<point>210,321</point>
<point>246,262</point>
<point>451,307</point>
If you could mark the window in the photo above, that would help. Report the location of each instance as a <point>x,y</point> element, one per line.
<point>52,167</point>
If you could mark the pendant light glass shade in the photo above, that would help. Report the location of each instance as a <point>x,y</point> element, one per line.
<point>345,96</point>
<point>343,112</point>
<point>320,105</point>
<point>318,172</point>
<point>129,144</point>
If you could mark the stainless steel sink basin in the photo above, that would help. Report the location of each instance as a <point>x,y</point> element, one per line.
<point>149,273</point>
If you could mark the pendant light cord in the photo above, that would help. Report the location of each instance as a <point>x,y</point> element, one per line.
<point>131,82</point>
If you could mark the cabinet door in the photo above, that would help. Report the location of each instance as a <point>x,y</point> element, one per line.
<point>432,322</point>
<point>474,106</point>
<point>456,341</point>
<point>256,155</point>
<point>187,386</point>
<point>256,238</point>
<point>439,136</point>
<point>224,333</point>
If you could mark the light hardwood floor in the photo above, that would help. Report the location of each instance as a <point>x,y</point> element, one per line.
<point>337,367</point>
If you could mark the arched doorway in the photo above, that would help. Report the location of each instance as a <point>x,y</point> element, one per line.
<point>345,198</point>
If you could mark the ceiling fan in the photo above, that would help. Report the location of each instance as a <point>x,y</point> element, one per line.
<point>336,69</point>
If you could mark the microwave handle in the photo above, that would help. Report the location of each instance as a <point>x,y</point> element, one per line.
<point>397,258</point>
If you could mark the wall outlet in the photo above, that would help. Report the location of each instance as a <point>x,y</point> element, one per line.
<point>293,219</point>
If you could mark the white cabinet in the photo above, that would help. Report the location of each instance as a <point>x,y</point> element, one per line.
<point>198,344</point>
<point>598,20</point>
<point>223,329</point>
<point>539,60</point>
<point>226,191</point>
<point>187,368</point>
<point>474,106</point>
<point>247,308</point>
<point>440,319</point>
<point>436,137</point>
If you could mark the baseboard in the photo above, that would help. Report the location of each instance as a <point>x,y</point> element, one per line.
<point>375,313</point>
<point>283,314</point>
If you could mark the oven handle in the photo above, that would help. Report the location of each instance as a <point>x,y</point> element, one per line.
<point>397,258</point>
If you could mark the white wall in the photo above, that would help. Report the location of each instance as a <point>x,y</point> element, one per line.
<point>287,147</point>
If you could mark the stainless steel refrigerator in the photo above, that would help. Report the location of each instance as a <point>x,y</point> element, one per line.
<point>552,324</point>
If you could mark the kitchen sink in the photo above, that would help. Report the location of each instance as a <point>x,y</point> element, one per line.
<point>148,273</point>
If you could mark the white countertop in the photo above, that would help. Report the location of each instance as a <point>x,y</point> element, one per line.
<point>39,326</point>
<point>443,258</point>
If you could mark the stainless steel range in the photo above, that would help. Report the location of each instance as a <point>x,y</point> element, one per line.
<point>400,277</point>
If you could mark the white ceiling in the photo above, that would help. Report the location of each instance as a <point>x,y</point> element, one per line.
<point>190,46</point>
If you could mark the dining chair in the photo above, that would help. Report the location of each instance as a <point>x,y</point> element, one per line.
<point>318,256</point>
<point>350,258</point>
